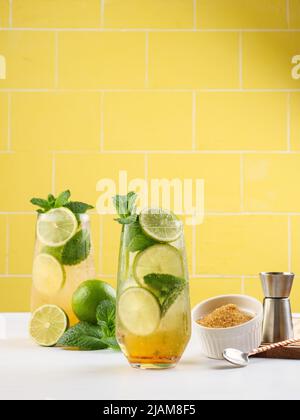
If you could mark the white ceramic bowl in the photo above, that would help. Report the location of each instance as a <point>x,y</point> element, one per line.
<point>245,337</point>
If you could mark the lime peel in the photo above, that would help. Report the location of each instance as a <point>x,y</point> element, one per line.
<point>48,275</point>
<point>160,225</point>
<point>47,325</point>
<point>160,259</point>
<point>139,311</point>
<point>56,227</point>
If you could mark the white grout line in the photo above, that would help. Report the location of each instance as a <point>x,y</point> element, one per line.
<point>56,60</point>
<point>288,14</point>
<point>243,285</point>
<point>178,152</point>
<point>143,90</point>
<point>195,14</point>
<point>102,104</point>
<point>107,276</point>
<point>17,213</point>
<point>146,164</point>
<point>174,30</point>
<point>289,144</point>
<point>194,250</point>
<point>7,247</point>
<point>11,276</point>
<point>290,262</point>
<point>241,60</point>
<point>223,276</point>
<point>242,181</point>
<point>10,14</point>
<point>53,179</point>
<point>208,213</point>
<point>102,13</point>
<point>101,242</point>
<point>247,213</point>
<point>9,124</point>
<point>147,59</point>
<point>194,121</point>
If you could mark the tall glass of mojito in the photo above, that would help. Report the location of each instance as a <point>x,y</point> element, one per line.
<point>63,257</point>
<point>153,305</point>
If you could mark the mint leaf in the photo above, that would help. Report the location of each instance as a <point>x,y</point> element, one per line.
<point>125,206</point>
<point>136,240</point>
<point>139,243</point>
<point>77,249</point>
<point>121,205</point>
<point>77,207</point>
<point>84,337</point>
<point>127,220</point>
<point>166,287</point>
<point>62,199</point>
<point>56,252</point>
<point>40,202</point>
<point>51,199</point>
<point>131,199</point>
<point>106,319</point>
<point>106,314</point>
<point>111,342</point>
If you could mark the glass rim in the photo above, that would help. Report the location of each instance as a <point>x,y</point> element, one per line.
<point>80,215</point>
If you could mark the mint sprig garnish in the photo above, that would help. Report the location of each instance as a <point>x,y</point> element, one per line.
<point>126,209</point>
<point>77,207</point>
<point>136,240</point>
<point>77,249</point>
<point>63,200</point>
<point>166,287</point>
<point>85,336</point>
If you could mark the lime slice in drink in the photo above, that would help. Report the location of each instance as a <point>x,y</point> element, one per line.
<point>158,259</point>
<point>139,311</point>
<point>48,275</point>
<point>47,325</point>
<point>160,225</point>
<point>56,227</point>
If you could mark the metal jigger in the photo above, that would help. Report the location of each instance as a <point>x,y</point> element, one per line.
<point>278,322</point>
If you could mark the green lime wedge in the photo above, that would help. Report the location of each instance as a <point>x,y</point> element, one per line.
<point>56,227</point>
<point>47,325</point>
<point>139,311</point>
<point>48,275</point>
<point>160,225</point>
<point>158,259</point>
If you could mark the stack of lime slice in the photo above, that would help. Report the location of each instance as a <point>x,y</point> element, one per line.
<point>139,308</point>
<point>54,230</point>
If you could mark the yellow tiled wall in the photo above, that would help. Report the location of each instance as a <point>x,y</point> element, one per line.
<point>161,88</point>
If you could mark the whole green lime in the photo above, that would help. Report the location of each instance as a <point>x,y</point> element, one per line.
<point>87,298</point>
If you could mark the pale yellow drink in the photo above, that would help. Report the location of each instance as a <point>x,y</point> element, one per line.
<point>153,329</point>
<point>74,273</point>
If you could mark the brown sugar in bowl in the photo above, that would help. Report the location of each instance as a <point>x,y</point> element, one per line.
<point>245,337</point>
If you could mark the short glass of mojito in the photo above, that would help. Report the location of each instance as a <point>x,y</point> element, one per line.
<point>63,257</point>
<point>153,305</point>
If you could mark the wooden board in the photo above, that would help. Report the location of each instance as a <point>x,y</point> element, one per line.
<point>289,352</point>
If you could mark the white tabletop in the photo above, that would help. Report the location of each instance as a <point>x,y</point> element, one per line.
<point>31,372</point>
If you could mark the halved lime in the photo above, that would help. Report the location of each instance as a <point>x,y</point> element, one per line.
<point>139,311</point>
<point>161,225</point>
<point>47,325</point>
<point>48,275</point>
<point>158,259</point>
<point>56,227</point>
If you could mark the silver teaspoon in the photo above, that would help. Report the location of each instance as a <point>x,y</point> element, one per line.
<point>238,358</point>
